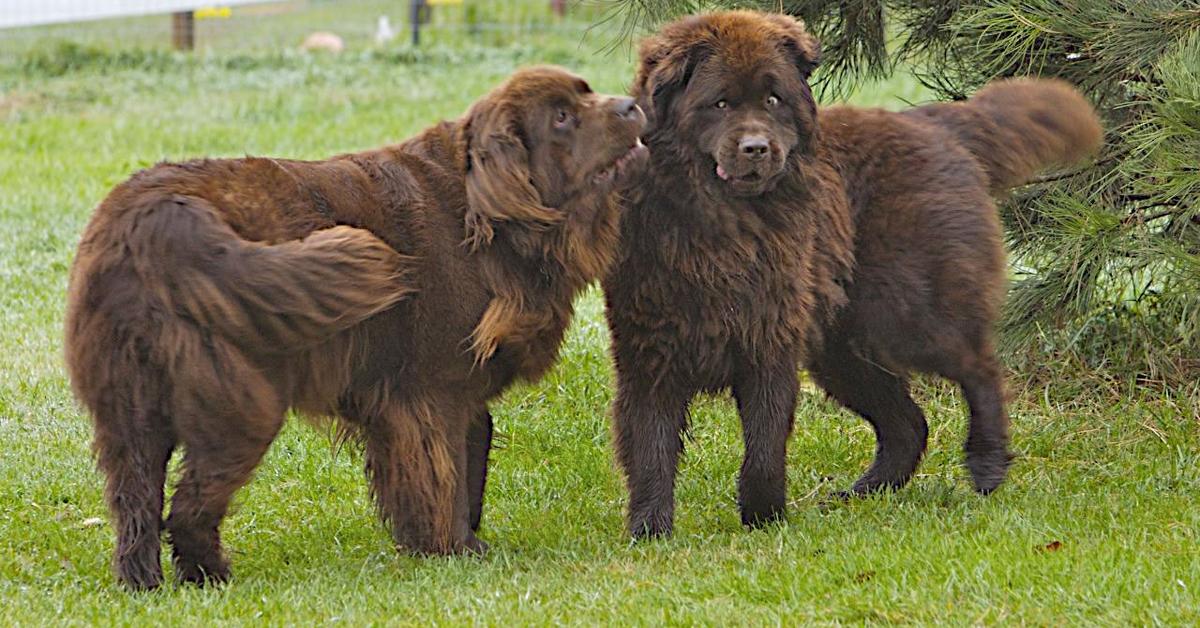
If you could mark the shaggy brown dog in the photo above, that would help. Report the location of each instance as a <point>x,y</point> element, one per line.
<point>398,290</point>
<point>861,242</point>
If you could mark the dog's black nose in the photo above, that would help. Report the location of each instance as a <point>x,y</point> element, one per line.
<point>625,107</point>
<point>754,146</point>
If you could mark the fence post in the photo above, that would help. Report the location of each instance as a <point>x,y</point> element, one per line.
<point>183,30</point>
<point>416,14</point>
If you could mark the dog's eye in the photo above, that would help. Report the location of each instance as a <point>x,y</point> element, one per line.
<point>562,118</point>
<point>722,104</point>
<point>772,100</point>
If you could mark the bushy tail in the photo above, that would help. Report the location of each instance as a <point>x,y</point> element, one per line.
<point>1019,127</point>
<point>265,298</point>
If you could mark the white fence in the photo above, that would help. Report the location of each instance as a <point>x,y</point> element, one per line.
<point>32,12</point>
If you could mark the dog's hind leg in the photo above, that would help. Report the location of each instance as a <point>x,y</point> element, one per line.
<point>213,470</point>
<point>479,445</point>
<point>987,452</point>
<point>133,444</point>
<point>883,399</point>
<point>226,416</point>
<point>965,355</point>
<point>212,473</point>
<point>766,399</point>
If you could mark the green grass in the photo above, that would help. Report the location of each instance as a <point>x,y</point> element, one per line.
<point>1112,478</point>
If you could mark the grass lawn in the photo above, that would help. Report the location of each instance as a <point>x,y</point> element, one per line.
<point>1099,523</point>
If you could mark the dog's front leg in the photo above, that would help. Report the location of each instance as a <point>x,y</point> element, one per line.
<point>648,429</point>
<point>766,399</point>
<point>416,458</point>
<point>479,445</point>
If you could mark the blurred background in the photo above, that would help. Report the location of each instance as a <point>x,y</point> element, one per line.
<point>264,24</point>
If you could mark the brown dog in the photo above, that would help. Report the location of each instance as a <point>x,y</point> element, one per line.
<point>861,242</point>
<point>398,290</point>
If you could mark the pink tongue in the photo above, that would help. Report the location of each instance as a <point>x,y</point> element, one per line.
<point>721,173</point>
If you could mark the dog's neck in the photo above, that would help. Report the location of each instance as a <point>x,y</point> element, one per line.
<point>535,271</point>
<point>568,254</point>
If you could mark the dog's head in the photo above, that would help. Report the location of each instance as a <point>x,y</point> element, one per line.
<point>730,91</point>
<point>544,143</point>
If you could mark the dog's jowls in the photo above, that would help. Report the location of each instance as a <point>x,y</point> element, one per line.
<point>862,243</point>
<point>397,290</point>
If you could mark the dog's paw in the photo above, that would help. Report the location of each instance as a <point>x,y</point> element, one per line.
<point>474,546</point>
<point>187,572</point>
<point>651,526</point>
<point>761,515</point>
<point>140,578</point>
<point>988,469</point>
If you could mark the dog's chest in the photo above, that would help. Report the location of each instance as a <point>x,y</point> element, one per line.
<point>520,338</point>
<point>756,295</point>
<point>537,349</point>
<point>745,293</point>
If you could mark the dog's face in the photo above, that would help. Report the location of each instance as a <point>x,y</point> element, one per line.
<point>544,144</point>
<point>729,91</point>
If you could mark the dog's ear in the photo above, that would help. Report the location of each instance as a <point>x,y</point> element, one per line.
<point>666,65</point>
<point>499,185</point>
<point>804,49</point>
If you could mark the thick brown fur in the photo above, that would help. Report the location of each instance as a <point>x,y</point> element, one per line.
<point>397,290</point>
<point>861,243</point>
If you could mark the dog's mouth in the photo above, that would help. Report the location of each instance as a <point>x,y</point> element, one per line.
<point>622,166</point>
<point>750,177</point>
<point>751,182</point>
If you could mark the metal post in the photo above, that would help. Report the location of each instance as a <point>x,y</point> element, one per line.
<point>416,15</point>
<point>183,30</point>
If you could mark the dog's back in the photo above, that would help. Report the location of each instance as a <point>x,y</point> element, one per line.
<point>1017,128</point>
<point>161,260</point>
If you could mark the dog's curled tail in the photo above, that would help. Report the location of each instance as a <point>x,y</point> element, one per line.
<point>1017,128</point>
<point>265,298</point>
